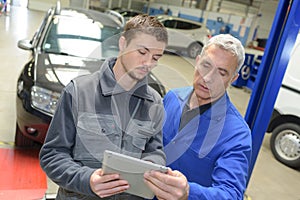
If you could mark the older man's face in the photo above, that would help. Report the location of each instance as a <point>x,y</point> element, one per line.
<point>214,72</point>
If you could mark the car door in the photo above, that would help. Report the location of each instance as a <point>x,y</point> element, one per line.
<point>176,38</point>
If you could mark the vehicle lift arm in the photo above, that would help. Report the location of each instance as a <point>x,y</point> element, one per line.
<point>281,40</point>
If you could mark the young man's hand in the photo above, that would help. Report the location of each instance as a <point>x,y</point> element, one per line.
<point>107,185</point>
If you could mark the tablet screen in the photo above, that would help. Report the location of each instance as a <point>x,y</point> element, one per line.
<point>132,170</point>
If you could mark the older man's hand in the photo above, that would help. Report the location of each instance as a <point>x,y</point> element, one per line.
<point>170,186</point>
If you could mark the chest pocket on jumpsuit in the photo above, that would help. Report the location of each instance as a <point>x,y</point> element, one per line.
<point>95,133</point>
<point>136,137</point>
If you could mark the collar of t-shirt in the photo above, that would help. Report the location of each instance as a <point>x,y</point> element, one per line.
<point>188,114</point>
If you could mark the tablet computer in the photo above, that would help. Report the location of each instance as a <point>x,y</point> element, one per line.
<point>132,170</point>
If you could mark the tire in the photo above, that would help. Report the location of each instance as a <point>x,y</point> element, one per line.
<point>285,144</point>
<point>194,50</point>
<point>21,140</point>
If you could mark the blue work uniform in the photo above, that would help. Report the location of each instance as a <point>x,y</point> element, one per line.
<point>212,150</point>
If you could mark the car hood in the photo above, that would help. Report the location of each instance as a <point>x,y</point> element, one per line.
<point>56,71</point>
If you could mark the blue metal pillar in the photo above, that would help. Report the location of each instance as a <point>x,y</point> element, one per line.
<point>275,60</point>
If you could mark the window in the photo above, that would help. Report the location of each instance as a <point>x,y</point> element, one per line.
<point>170,23</point>
<point>83,38</point>
<point>186,25</point>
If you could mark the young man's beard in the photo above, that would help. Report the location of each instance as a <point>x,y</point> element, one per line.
<point>130,73</point>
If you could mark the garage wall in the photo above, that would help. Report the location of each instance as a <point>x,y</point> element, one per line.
<point>168,2</point>
<point>245,22</point>
<point>45,4</point>
<point>79,3</point>
<point>265,18</point>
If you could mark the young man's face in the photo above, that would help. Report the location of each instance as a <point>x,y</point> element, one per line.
<point>214,72</point>
<point>141,55</point>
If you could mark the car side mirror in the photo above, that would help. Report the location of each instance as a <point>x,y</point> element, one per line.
<point>25,44</point>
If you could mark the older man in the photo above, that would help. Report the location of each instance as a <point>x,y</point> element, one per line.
<point>207,142</point>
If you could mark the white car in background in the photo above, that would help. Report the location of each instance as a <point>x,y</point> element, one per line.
<point>185,35</point>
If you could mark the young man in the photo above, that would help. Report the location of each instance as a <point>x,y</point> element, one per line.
<point>112,109</point>
<point>207,142</point>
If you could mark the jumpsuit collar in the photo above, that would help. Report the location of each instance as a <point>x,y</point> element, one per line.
<point>216,112</point>
<point>110,86</point>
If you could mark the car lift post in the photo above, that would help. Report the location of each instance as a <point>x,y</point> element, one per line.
<point>281,40</point>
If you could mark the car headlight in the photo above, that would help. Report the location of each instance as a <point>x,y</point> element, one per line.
<point>44,100</point>
<point>20,87</point>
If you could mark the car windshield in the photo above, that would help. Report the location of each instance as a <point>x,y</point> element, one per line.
<point>80,37</point>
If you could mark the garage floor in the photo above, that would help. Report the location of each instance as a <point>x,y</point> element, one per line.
<point>270,179</point>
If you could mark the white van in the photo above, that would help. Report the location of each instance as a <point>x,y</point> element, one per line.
<point>285,121</point>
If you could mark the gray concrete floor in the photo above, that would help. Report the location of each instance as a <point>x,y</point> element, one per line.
<point>270,179</point>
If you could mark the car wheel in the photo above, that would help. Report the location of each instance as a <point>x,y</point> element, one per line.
<point>21,140</point>
<point>194,50</point>
<point>285,144</point>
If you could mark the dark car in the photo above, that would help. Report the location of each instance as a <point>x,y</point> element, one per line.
<point>69,43</point>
